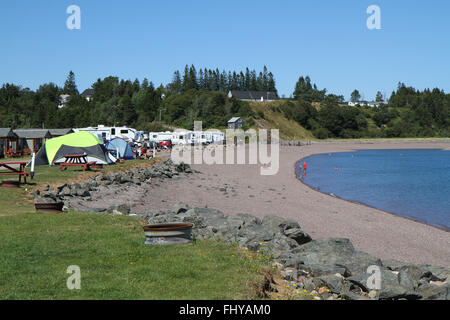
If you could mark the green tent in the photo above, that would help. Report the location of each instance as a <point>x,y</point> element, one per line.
<point>81,142</point>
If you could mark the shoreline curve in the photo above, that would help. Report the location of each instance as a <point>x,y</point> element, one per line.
<point>362,203</point>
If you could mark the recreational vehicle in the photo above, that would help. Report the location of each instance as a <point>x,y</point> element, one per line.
<point>215,136</point>
<point>109,133</point>
<point>197,137</point>
<point>180,137</point>
<point>160,136</point>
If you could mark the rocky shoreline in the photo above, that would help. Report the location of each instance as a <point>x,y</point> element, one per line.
<point>306,264</point>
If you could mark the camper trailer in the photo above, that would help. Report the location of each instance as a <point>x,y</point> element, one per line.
<point>108,133</point>
<point>215,137</point>
<point>197,138</point>
<point>160,136</point>
<point>180,137</point>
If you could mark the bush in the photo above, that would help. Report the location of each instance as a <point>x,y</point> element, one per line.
<point>321,133</point>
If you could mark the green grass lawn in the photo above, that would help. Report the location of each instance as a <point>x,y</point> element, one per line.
<point>37,249</point>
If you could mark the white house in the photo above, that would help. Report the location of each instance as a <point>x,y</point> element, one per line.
<point>364,103</point>
<point>258,96</point>
<point>63,99</point>
<point>88,94</point>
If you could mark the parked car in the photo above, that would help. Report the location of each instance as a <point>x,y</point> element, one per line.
<point>165,144</point>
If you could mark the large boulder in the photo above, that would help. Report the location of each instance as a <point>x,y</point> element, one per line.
<point>334,251</point>
<point>434,292</point>
<point>390,287</point>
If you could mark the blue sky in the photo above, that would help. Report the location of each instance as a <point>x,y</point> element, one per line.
<point>327,40</point>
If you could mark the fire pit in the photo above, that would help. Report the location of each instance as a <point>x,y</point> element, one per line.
<point>49,207</point>
<point>173,233</point>
<point>10,184</point>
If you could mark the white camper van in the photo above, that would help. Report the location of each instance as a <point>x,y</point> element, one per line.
<point>180,137</point>
<point>197,138</point>
<point>215,136</point>
<point>160,136</point>
<point>109,133</point>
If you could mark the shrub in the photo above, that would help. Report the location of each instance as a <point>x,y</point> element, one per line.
<point>321,133</point>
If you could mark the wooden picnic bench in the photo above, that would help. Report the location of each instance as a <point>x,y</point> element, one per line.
<point>21,171</point>
<point>74,160</point>
<point>17,154</point>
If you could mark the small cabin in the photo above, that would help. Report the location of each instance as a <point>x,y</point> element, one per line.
<point>8,141</point>
<point>31,140</point>
<point>236,123</point>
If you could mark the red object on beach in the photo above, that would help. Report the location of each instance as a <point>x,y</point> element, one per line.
<point>304,165</point>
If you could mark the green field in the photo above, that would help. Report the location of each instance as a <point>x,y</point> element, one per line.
<point>114,263</point>
<point>37,249</point>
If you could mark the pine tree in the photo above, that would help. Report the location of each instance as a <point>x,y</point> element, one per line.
<point>186,80</point>
<point>247,80</point>
<point>253,81</point>
<point>70,86</point>
<point>355,96</point>
<point>176,85</point>
<point>379,97</point>
<point>193,84</point>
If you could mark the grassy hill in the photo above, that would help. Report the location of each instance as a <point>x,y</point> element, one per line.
<point>268,116</point>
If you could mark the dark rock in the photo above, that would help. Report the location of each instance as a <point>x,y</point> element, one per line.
<point>335,283</point>
<point>391,289</point>
<point>406,280</point>
<point>180,207</point>
<point>81,192</point>
<point>335,251</point>
<point>298,235</point>
<point>317,270</point>
<point>249,219</point>
<point>43,200</point>
<point>434,292</point>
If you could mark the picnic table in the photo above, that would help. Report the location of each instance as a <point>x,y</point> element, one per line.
<point>21,171</point>
<point>76,160</point>
<point>14,154</point>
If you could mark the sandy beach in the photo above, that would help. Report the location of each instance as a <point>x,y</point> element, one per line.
<point>241,189</point>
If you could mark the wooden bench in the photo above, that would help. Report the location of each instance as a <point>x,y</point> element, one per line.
<point>21,171</point>
<point>76,160</point>
<point>14,154</point>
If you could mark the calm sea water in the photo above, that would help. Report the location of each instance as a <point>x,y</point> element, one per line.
<point>410,183</point>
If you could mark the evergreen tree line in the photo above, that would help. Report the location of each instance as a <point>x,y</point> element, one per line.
<point>408,113</point>
<point>115,102</point>
<point>215,80</point>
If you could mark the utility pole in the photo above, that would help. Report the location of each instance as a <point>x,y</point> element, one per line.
<point>160,110</point>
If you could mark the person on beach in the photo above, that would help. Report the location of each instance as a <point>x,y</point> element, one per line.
<point>304,168</point>
<point>144,151</point>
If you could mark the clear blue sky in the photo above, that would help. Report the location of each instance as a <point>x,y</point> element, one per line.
<point>327,40</point>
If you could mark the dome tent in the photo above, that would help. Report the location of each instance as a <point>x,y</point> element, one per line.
<point>81,142</point>
<point>120,145</point>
